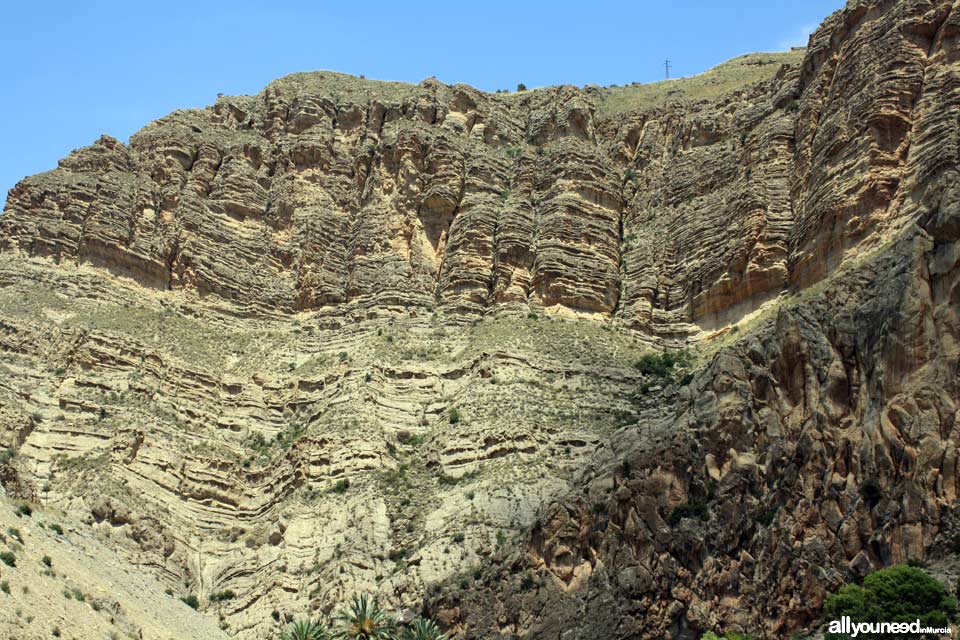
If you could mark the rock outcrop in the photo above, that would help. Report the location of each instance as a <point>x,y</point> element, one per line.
<point>349,335</point>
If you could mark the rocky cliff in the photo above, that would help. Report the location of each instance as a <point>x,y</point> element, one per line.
<point>349,335</point>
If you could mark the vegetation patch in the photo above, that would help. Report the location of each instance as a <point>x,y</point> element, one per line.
<point>697,510</point>
<point>896,594</point>
<point>222,596</point>
<point>871,491</point>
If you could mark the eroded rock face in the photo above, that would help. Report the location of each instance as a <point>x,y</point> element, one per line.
<point>774,445</point>
<point>352,335</point>
<point>336,193</point>
<point>777,437</point>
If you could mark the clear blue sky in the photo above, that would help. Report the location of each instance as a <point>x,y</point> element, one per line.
<point>72,70</point>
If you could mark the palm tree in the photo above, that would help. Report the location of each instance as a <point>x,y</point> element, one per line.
<point>306,630</point>
<point>423,629</point>
<point>363,619</point>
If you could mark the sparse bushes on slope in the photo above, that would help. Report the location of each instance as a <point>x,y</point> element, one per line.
<point>222,596</point>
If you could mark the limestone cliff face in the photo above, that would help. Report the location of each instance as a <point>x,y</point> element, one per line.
<point>335,193</point>
<point>850,383</point>
<point>351,335</point>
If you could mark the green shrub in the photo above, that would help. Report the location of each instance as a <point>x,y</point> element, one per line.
<point>527,583</point>
<point>652,364</point>
<point>694,509</point>
<point>340,486</point>
<point>8,558</point>
<point>661,365</point>
<point>5,587</point>
<point>896,594</point>
<point>191,601</point>
<point>416,440</point>
<point>222,596</point>
<point>24,510</point>
<point>521,87</point>
<point>765,518</point>
<point>446,480</point>
<point>7,455</point>
<point>454,415</point>
<point>47,561</point>
<point>57,529</point>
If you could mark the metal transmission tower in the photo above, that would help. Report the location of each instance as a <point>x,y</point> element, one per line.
<point>666,66</point>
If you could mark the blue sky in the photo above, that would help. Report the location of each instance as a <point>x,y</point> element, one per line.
<point>74,70</point>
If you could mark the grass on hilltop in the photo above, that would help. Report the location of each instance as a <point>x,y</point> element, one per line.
<point>724,78</point>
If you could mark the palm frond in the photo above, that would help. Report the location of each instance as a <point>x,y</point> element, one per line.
<point>423,629</point>
<point>306,630</point>
<point>363,619</point>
